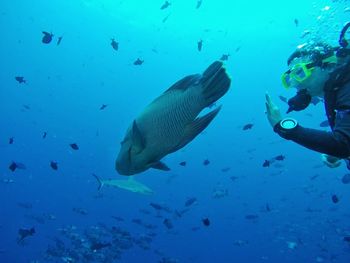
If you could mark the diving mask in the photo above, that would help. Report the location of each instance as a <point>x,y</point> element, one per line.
<point>297,74</point>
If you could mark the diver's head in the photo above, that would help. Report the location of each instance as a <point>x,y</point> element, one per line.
<point>309,69</point>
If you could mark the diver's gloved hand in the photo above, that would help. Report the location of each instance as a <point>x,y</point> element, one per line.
<point>273,112</point>
<point>330,161</point>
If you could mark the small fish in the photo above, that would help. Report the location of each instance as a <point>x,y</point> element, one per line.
<point>335,199</point>
<point>23,233</point>
<point>190,201</point>
<point>324,124</point>
<point>280,157</point>
<point>103,106</point>
<point>296,22</point>
<point>167,222</point>
<point>138,62</point>
<point>11,140</point>
<point>248,126</point>
<point>346,179</point>
<point>74,146</point>
<point>47,38</point>
<point>206,221</point>
<point>314,177</point>
<point>183,163</point>
<point>98,246</point>
<point>224,57</point>
<point>226,169</point>
<point>347,239</point>
<point>13,166</point>
<point>163,21</point>
<point>54,165</point>
<point>267,207</point>
<point>206,162</point>
<point>59,40</point>
<point>165,5</point>
<point>200,45</point>
<point>284,99</point>
<point>44,135</point>
<point>27,107</point>
<point>20,79</point>
<point>114,44</point>
<point>251,217</point>
<point>199,3</point>
<point>237,49</point>
<point>266,163</point>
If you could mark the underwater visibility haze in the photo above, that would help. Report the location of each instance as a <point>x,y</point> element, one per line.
<point>135,131</point>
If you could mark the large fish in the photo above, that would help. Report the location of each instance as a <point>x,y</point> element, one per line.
<point>171,121</point>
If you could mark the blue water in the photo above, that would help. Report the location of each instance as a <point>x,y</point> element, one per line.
<point>66,85</point>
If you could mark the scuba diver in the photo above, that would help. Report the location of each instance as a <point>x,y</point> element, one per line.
<point>318,70</point>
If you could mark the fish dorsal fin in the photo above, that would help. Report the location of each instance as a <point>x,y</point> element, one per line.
<point>185,82</point>
<point>137,138</point>
<point>160,166</point>
<point>196,127</point>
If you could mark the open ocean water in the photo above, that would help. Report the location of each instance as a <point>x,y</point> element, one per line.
<point>66,104</point>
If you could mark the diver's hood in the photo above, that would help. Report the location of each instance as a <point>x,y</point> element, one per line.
<point>300,101</point>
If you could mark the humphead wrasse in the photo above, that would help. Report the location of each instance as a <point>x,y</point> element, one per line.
<point>171,121</point>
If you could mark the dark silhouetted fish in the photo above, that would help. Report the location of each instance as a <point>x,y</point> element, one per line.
<point>20,79</point>
<point>266,163</point>
<point>138,62</point>
<point>346,179</point>
<point>54,165</point>
<point>284,99</point>
<point>296,22</point>
<point>200,45</point>
<point>206,162</point>
<point>167,222</point>
<point>280,157</point>
<point>165,5</point>
<point>74,146</point>
<point>59,40</point>
<point>103,106</point>
<point>44,135</point>
<point>248,126</point>
<point>47,38</point>
<point>11,140</point>
<point>226,169</point>
<point>183,163</point>
<point>114,44</point>
<point>224,57</point>
<point>251,217</point>
<point>199,3</point>
<point>335,199</point>
<point>24,233</point>
<point>347,239</point>
<point>206,221</point>
<point>171,121</point>
<point>324,124</point>
<point>190,201</point>
<point>14,165</point>
<point>99,245</point>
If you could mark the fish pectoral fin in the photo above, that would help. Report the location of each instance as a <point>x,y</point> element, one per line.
<point>196,127</point>
<point>160,166</point>
<point>137,138</point>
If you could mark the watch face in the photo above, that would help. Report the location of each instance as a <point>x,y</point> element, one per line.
<point>288,124</point>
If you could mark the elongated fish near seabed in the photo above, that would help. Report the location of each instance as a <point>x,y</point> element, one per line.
<point>171,121</point>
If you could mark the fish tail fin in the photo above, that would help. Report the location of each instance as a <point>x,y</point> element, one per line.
<point>100,182</point>
<point>215,82</point>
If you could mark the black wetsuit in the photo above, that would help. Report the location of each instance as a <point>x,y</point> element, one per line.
<point>337,105</point>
